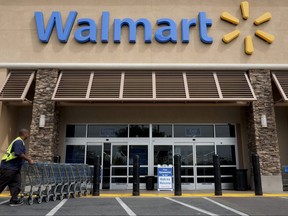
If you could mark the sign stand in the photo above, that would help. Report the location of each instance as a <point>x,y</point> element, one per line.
<point>165,177</point>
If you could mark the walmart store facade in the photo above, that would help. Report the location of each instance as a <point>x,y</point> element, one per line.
<point>153,78</point>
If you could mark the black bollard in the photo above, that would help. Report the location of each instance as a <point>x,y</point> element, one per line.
<point>96,177</point>
<point>257,175</point>
<point>136,176</point>
<point>217,175</point>
<point>177,175</point>
<point>56,159</point>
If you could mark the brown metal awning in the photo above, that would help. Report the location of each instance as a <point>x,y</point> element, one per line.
<point>280,79</point>
<point>152,86</point>
<point>16,86</point>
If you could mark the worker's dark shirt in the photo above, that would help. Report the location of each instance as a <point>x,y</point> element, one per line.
<point>15,164</point>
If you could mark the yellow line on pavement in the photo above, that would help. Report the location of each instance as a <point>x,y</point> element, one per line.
<point>187,195</point>
<point>276,195</point>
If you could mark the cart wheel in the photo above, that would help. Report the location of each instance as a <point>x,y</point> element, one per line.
<point>39,200</point>
<point>54,198</point>
<point>30,201</point>
<point>61,197</point>
<point>46,199</point>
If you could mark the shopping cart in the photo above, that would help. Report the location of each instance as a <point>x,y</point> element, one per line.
<point>79,179</point>
<point>52,182</point>
<point>89,179</point>
<point>32,183</point>
<point>64,185</point>
<point>71,181</point>
<point>83,178</point>
<point>44,188</point>
<point>48,181</point>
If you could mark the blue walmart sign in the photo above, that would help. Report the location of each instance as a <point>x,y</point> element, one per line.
<point>87,28</point>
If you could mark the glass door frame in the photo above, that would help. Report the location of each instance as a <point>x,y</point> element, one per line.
<point>200,186</point>
<point>138,142</point>
<point>101,157</point>
<point>128,142</point>
<point>187,186</point>
<point>116,186</point>
<point>216,142</point>
<point>205,142</point>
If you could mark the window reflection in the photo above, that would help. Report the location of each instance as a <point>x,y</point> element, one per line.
<point>107,131</point>
<point>162,154</point>
<point>75,153</point>
<point>194,131</point>
<point>204,155</point>
<point>162,130</point>
<point>76,131</point>
<point>141,150</point>
<point>92,153</point>
<point>119,155</point>
<point>226,154</point>
<point>186,153</point>
<point>139,131</point>
<point>225,130</point>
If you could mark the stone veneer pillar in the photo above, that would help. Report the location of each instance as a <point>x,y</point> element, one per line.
<point>44,141</point>
<point>264,141</point>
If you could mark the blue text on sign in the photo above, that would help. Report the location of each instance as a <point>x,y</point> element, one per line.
<point>87,28</point>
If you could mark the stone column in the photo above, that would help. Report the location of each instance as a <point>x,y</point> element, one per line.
<point>44,141</point>
<point>264,140</point>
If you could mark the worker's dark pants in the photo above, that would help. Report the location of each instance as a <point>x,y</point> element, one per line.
<point>12,179</point>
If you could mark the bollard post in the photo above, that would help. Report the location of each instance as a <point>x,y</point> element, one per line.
<point>177,175</point>
<point>96,177</point>
<point>217,175</point>
<point>136,176</point>
<point>257,175</point>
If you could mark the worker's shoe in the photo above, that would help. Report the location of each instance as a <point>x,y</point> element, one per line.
<point>16,202</point>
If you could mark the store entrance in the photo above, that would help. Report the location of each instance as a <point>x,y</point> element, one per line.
<point>117,155</point>
<point>197,162</point>
<point>117,162</point>
<point>122,155</point>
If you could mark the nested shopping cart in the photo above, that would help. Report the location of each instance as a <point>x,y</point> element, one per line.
<point>51,192</point>
<point>79,179</point>
<point>70,189</point>
<point>32,185</point>
<point>64,189</point>
<point>89,170</point>
<point>49,181</point>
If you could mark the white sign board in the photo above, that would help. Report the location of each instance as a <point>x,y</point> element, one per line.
<point>165,177</point>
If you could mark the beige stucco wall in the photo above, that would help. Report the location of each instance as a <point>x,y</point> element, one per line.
<point>7,126</point>
<point>12,119</point>
<point>154,114</point>
<point>5,119</point>
<point>24,116</point>
<point>19,42</point>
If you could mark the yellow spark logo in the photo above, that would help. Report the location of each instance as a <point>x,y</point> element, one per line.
<point>245,10</point>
